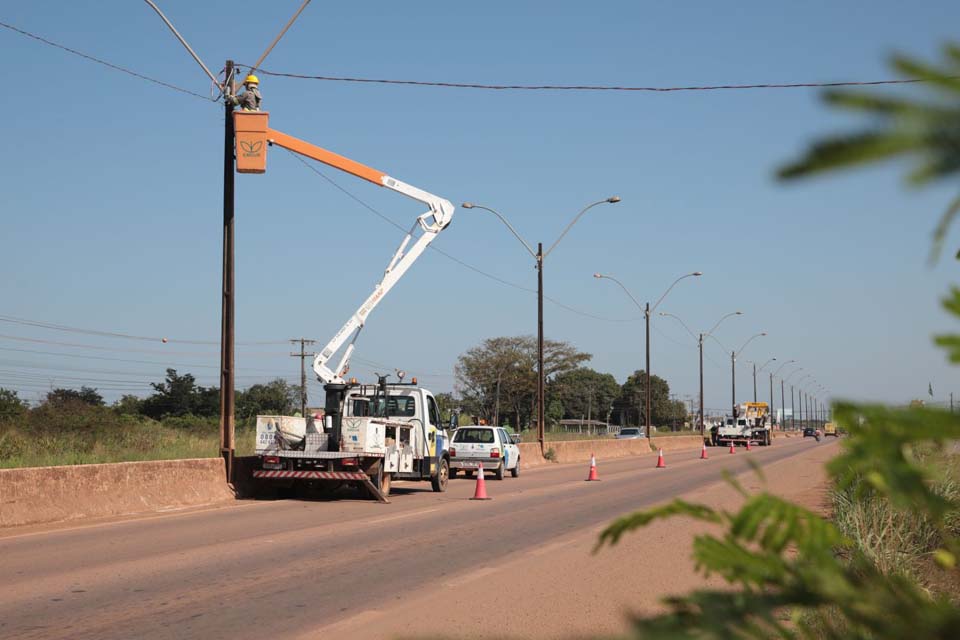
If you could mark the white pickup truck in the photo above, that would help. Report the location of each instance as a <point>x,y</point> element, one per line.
<point>492,447</point>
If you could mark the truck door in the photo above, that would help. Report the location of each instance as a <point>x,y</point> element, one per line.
<point>511,452</point>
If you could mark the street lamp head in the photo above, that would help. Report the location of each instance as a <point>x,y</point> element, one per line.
<point>739,313</point>
<point>598,275</point>
<point>467,205</point>
<point>764,333</point>
<point>613,199</point>
<point>697,273</point>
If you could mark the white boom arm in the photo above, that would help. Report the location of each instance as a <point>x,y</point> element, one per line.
<point>431,224</point>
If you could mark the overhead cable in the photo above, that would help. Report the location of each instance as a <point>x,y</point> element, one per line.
<point>102,62</point>
<point>116,334</point>
<point>587,87</point>
<point>256,65</point>
<point>449,256</point>
<point>186,46</point>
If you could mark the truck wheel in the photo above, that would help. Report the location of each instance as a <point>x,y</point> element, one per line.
<point>498,474</point>
<point>382,481</point>
<point>468,473</point>
<point>515,472</point>
<point>453,473</point>
<point>440,480</point>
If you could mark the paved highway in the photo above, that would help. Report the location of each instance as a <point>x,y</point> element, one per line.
<point>283,568</point>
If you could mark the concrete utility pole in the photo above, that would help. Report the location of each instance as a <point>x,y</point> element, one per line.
<point>303,371</point>
<point>227,289</point>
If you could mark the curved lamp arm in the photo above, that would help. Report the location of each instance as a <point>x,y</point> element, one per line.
<point>470,205</point>
<point>610,200</point>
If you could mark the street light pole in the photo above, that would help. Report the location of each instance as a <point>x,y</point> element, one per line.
<point>702,427</point>
<point>541,375</point>
<point>733,371</point>
<point>647,385</point>
<point>793,412</point>
<point>782,405</point>
<point>539,257</point>
<point>699,339</point>
<point>647,310</point>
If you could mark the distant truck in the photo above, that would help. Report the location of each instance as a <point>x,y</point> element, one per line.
<point>751,423</point>
<point>830,429</point>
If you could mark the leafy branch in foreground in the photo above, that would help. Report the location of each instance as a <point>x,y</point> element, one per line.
<point>792,573</point>
<point>927,131</point>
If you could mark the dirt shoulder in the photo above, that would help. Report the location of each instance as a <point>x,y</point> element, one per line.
<point>561,590</point>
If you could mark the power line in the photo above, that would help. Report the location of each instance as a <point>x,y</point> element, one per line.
<point>116,334</point>
<point>102,62</point>
<point>130,350</point>
<point>181,365</point>
<point>581,87</point>
<point>449,256</point>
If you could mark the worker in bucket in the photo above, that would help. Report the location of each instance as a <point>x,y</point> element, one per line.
<point>249,100</point>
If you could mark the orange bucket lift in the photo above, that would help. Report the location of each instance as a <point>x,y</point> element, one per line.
<point>251,128</point>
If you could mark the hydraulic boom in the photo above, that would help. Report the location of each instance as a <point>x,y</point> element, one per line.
<point>430,224</point>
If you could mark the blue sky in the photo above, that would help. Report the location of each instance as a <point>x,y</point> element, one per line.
<point>112,190</point>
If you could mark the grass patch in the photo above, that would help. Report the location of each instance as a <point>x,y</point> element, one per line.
<point>90,435</point>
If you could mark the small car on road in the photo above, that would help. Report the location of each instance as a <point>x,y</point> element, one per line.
<point>809,432</point>
<point>474,445</point>
<point>630,433</point>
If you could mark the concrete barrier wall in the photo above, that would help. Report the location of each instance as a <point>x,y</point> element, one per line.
<point>580,450</point>
<point>51,494</point>
<point>677,443</point>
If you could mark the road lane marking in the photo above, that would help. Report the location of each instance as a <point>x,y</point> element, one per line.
<point>472,576</point>
<point>363,617</point>
<point>401,516</point>
<point>539,551</point>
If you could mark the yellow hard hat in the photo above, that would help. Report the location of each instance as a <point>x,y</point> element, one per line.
<point>251,79</point>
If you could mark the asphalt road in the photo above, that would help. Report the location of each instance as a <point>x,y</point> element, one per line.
<point>281,568</point>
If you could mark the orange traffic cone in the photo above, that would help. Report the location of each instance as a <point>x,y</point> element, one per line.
<point>748,444</point>
<point>481,492</point>
<point>660,463</point>
<point>593,469</point>
<point>703,452</point>
<point>732,450</point>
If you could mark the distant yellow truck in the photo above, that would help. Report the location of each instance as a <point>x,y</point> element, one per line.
<point>830,429</point>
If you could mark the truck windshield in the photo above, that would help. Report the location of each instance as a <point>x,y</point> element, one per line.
<point>397,406</point>
<point>474,436</point>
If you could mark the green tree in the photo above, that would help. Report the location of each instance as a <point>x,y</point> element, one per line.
<point>128,405</point>
<point>11,406</point>
<point>510,363</point>
<point>584,392</point>
<point>275,397</point>
<point>86,395</point>
<point>180,395</point>
<point>926,131</point>
<point>447,403</point>
<point>631,405</point>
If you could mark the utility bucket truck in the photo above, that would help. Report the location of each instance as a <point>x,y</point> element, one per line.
<point>369,434</point>
<point>750,422</point>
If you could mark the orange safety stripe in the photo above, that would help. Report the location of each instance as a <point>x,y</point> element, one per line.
<point>327,157</point>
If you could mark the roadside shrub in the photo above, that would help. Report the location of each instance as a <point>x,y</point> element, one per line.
<point>550,454</point>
